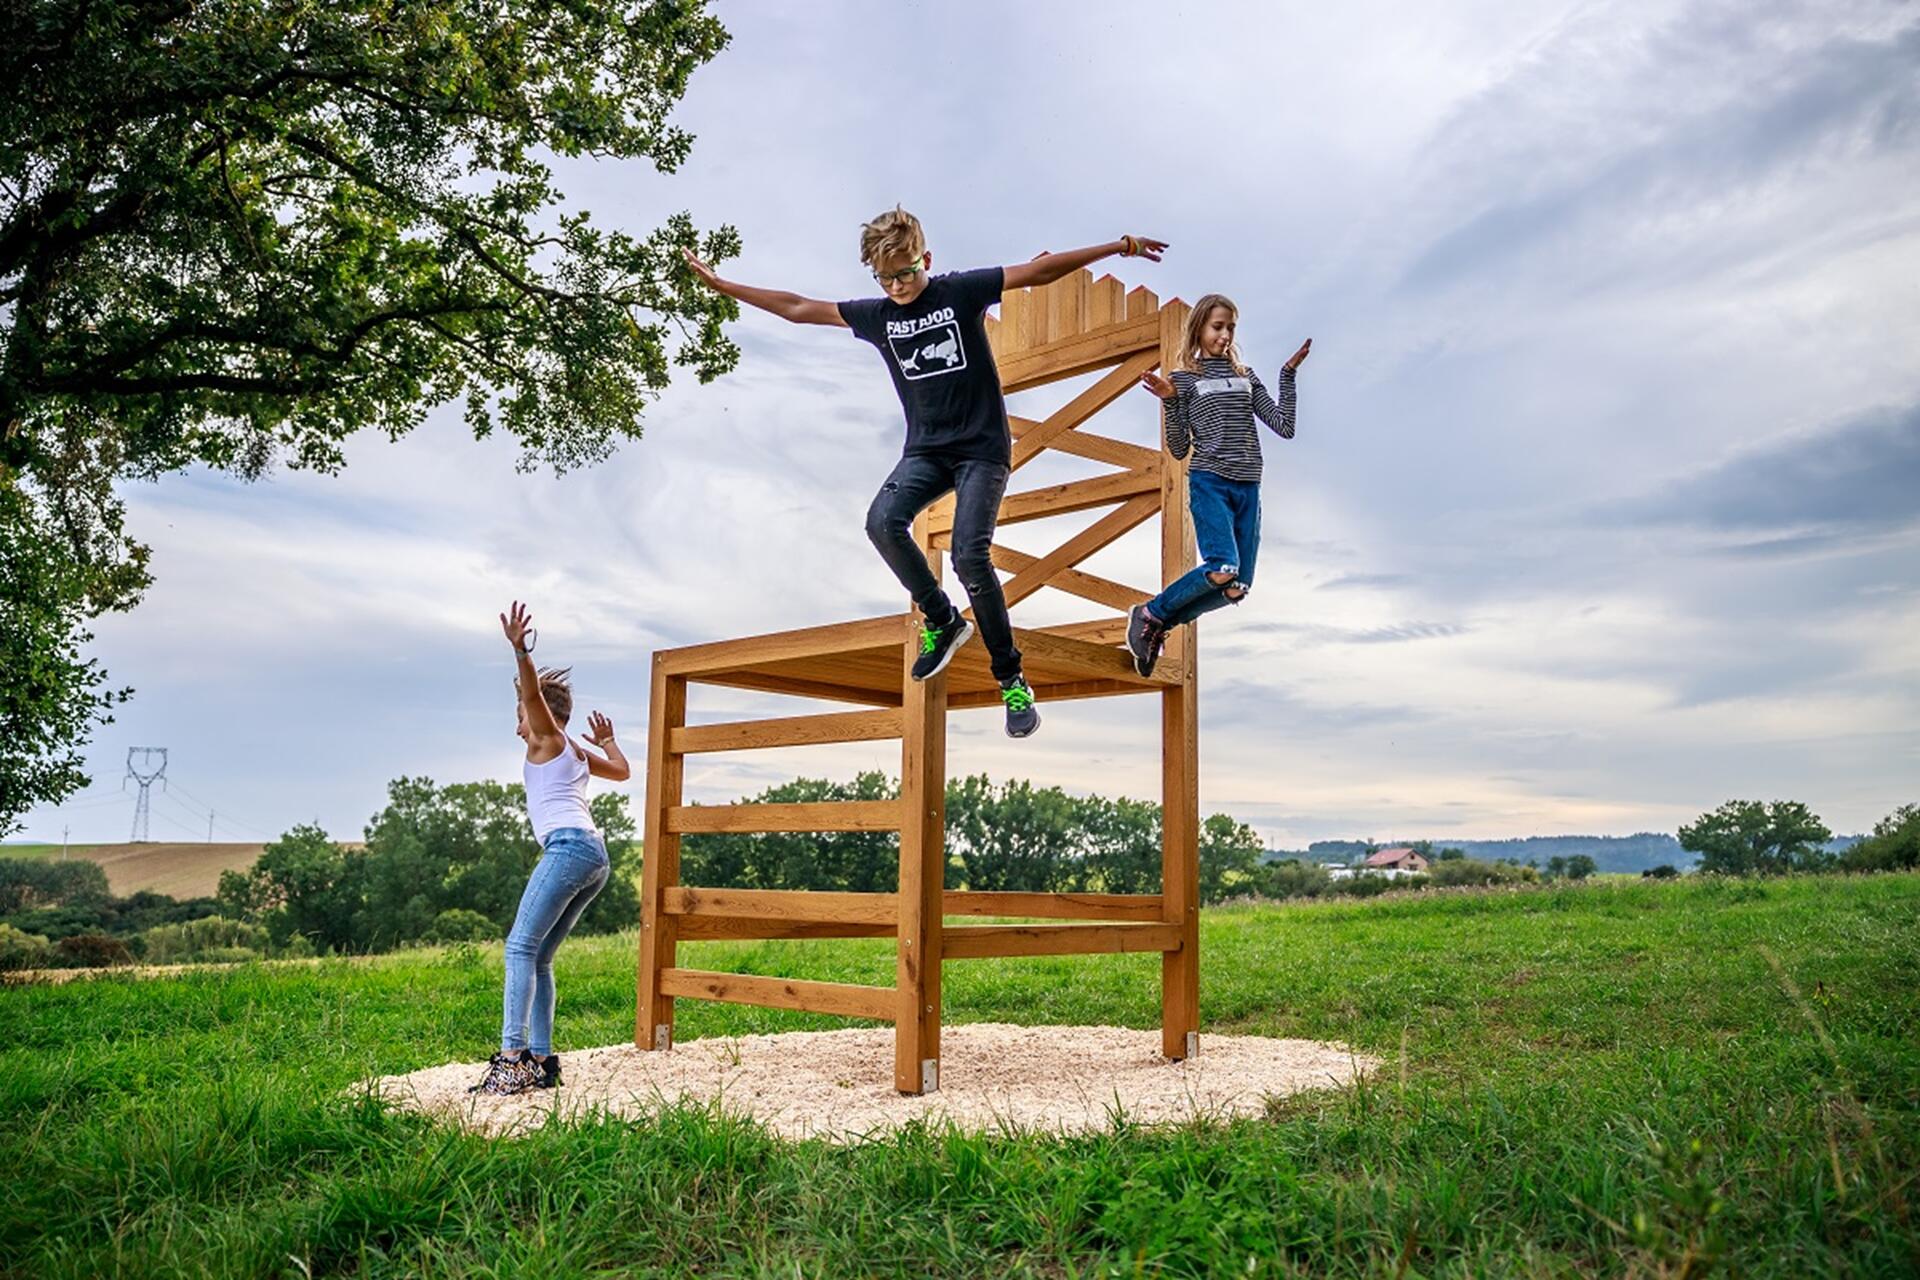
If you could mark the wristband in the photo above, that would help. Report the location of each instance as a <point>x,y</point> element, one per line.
<point>1129,247</point>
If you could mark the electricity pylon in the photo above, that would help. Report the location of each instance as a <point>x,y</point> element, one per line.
<point>146,775</point>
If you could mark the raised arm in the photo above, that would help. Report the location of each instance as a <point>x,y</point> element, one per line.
<point>788,306</point>
<point>1280,416</point>
<point>543,731</point>
<point>615,767</point>
<point>1049,267</point>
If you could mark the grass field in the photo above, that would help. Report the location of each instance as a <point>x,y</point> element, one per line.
<point>1612,1079</point>
<point>190,869</point>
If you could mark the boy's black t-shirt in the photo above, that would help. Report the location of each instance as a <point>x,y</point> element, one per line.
<point>936,349</point>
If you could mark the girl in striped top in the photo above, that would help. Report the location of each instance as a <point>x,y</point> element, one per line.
<point>1208,408</point>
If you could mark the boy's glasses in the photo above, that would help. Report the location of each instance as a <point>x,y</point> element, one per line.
<point>897,277</point>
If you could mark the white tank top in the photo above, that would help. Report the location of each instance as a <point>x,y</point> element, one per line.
<point>557,793</point>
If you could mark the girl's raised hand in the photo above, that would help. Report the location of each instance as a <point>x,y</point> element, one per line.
<point>518,624</point>
<point>1306,349</point>
<point>599,730</point>
<point>1153,381</point>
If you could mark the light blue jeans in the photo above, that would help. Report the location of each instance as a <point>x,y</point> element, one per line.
<point>570,874</point>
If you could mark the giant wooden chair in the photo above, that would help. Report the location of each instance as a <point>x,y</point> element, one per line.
<point>1075,326</point>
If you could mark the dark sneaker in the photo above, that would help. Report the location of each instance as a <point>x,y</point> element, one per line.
<point>1145,637</point>
<point>508,1075</point>
<point>1022,719</point>
<point>549,1072</point>
<point>938,645</point>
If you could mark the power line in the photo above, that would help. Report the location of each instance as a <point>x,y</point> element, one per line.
<point>210,817</point>
<point>229,822</point>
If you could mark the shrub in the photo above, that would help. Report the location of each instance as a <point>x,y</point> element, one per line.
<point>1458,871</point>
<point>1293,879</point>
<point>22,950</point>
<point>92,951</point>
<point>1665,871</point>
<point>197,940</point>
<point>457,924</point>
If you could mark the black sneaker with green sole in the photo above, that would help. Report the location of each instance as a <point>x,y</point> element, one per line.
<point>938,645</point>
<point>1022,719</point>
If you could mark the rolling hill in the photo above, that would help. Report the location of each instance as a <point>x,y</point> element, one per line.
<point>184,870</point>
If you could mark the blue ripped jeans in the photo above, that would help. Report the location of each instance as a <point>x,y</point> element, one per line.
<point>570,874</point>
<point>1226,524</point>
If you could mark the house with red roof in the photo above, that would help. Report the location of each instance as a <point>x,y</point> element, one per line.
<point>1401,860</point>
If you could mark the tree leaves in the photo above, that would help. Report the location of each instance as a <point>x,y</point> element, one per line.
<point>235,233</point>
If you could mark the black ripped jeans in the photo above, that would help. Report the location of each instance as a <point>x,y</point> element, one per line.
<point>977,487</point>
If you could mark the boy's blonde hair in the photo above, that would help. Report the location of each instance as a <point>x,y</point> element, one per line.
<point>1190,356</point>
<point>894,234</point>
<point>555,691</point>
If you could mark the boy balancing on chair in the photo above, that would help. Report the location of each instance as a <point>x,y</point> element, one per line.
<point>930,331</point>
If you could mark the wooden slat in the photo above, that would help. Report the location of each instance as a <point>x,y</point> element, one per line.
<point>1055,906</point>
<point>1083,406</point>
<point>826,815</point>
<point>1066,305</point>
<point>1060,499</point>
<point>981,941</point>
<point>1108,528</point>
<point>752,928</point>
<point>837,637</point>
<point>1085,444</point>
<point>1095,631</point>
<point>1141,301</point>
<point>1064,692</point>
<point>767,682</point>
<point>923,798</point>
<point>1088,661</point>
<point>844,999</point>
<point>788,731</point>
<point>1014,329</point>
<point>783,904</point>
<point>653,1008</point>
<point>1108,302</point>
<point>1087,586</point>
<point>1179,756</point>
<point>1081,353</point>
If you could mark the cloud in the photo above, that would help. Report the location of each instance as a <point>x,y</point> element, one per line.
<point>1803,492</point>
<point>1706,113</point>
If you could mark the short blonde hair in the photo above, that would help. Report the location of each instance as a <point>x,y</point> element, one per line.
<point>894,234</point>
<point>555,691</point>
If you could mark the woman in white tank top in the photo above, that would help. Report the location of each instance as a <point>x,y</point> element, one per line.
<point>572,867</point>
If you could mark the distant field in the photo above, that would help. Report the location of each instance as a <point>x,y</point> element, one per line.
<point>187,870</point>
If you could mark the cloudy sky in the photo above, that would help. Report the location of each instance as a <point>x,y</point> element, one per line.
<point>1604,507</point>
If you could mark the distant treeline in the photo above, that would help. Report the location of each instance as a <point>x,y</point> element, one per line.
<point>447,864</point>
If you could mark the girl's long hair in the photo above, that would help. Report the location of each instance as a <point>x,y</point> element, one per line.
<point>1190,356</point>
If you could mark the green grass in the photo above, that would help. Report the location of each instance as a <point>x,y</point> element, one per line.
<point>1617,1078</point>
<point>25,850</point>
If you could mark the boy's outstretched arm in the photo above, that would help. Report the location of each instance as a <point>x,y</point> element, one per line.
<point>788,306</point>
<point>615,767</point>
<point>1049,267</point>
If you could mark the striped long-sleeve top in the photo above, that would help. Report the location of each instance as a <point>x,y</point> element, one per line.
<point>1212,413</point>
